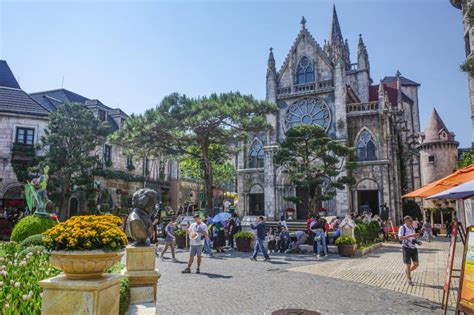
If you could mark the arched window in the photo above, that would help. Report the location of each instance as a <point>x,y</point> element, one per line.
<point>256,154</point>
<point>366,147</point>
<point>304,73</point>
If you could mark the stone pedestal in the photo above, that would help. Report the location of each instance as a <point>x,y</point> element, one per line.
<point>141,273</point>
<point>94,297</point>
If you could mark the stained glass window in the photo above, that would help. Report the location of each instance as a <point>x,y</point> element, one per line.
<point>304,73</point>
<point>366,147</point>
<point>310,112</point>
<point>256,154</point>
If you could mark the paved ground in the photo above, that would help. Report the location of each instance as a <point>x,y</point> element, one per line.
<point>382,269</point>
<point>232,284</point>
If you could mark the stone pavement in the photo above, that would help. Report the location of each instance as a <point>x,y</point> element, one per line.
<point>232,284</point>
<point>382,269</point>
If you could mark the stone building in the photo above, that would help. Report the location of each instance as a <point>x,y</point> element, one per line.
<point>319,84</point>
<point>118,175</point>
<point>22,122</point>
<point>465,6</point>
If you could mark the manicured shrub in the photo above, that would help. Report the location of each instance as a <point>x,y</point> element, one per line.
<point>35,249</point>
<point>345,240</point>
<point>244,234</point>
<point>124,288</point>
<point>366,233</point>
<point>33,240</point>
<point>31,225</point>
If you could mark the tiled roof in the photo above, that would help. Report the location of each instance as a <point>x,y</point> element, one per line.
<point>391,90</point>
<point>403,81</point>
<point>7,79</point>
<point>19,102</point>
<point>59,95</point>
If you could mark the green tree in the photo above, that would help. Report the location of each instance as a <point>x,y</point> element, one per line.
<point>180,123</point>
<point>69,142</point>
<point>316,163</point>
<point>223,170</point>
<point>467,158</point>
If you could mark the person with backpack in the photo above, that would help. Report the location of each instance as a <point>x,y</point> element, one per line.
<point>407,236</point>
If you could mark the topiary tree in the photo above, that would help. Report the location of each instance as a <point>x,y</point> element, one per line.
<point>31,225</point>
<point>33,240</point>
<point>411,208</point>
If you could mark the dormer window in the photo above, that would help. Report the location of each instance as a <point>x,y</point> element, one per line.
<point>102,115</point>
<point>304,73</point>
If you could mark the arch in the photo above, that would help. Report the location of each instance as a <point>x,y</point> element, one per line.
<point>256,189</point>
<point>367,184</point>
<point>256,154</point>
<point>366,145</point>
<point>304,71</point>
<point>73,206</point>
<point>7,187</point>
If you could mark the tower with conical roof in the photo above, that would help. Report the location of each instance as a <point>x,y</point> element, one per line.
<point>438,150</point>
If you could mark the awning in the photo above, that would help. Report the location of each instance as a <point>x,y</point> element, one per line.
<point>459,177</point>
<point>462,191</point>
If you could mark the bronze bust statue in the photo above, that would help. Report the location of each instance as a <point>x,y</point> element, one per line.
<point>139,224</point>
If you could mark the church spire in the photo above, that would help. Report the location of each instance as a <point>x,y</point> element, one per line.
<point>335,36</point>
<point>271,60</point>
<point>362,55</point>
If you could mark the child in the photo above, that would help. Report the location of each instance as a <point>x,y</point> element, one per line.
<point>271,241</point>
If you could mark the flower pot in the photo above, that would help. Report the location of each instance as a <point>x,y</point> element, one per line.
<point>346,250</point>
<point>80,265</point>
<point>243,244</point>
<point>181,241</point>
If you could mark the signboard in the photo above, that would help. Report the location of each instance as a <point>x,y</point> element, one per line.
<point>449,268</point>
<point>466,287</point>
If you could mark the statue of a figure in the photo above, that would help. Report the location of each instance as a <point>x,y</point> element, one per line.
<point>139,224</point>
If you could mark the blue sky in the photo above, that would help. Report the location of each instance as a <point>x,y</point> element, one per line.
<point>131,54</point>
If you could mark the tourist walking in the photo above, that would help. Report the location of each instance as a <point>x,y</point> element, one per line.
<point>319,230</point>
<point>197,234</point>
<point>427,231</point>
<point>407,235</point>
<point>169,240</point>
<point>449,229</point>
<point>261,234</point>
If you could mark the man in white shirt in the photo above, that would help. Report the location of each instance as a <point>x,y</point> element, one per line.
<point>197,233</point>
<point>407,235</point>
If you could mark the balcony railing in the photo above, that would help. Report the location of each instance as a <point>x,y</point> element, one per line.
<point>320,86</point>
<point>22,152</point>
<point>362,107</point>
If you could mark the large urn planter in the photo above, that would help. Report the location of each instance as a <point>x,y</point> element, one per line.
<point>181,241</point>
<point>347,250</point>
<point>243,240</point>
<point>81,265</point>
<point>346,246</point>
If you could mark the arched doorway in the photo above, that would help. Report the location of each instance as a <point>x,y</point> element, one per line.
<point>368,196</point>
<point>73,207</point>
<point>256,200</point>
<point>14,197</point>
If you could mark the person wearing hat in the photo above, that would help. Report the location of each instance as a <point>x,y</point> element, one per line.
<point>407,236</point>
<point>197,234</point>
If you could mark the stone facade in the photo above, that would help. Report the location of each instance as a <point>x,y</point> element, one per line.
<point>468,34</point>
<point>320,85</point>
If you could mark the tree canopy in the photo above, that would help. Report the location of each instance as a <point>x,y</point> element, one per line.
<point>316,163</point>
<point>179,125</point>
<point>72,135</point>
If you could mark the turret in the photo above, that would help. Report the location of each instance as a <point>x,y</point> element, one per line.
<point>271,77</point>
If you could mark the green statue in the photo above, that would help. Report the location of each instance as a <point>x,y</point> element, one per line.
<point>36,195</point>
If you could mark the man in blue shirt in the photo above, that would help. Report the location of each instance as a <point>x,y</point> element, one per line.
<point>261,234</point>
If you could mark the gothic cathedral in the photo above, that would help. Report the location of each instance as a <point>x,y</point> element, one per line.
<point>320,85</point>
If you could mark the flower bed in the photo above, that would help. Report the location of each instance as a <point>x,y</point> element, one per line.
<point>19,277</point>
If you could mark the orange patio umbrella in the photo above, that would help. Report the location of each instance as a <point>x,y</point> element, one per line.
<point>459,177</point>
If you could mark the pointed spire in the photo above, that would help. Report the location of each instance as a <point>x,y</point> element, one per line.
<point>361,42</point>
<point>336,35</point>
<point>303,22</point>
<point>271,60</point>
<point>434,127</point>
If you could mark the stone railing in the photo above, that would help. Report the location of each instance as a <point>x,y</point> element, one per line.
<point>362,107</point>
<point>316,87</point>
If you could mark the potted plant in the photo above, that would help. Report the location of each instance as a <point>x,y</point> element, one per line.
<point>346,245</point>
<point>83,247</point>
<point>180,238</point>
<point>243,240</point>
